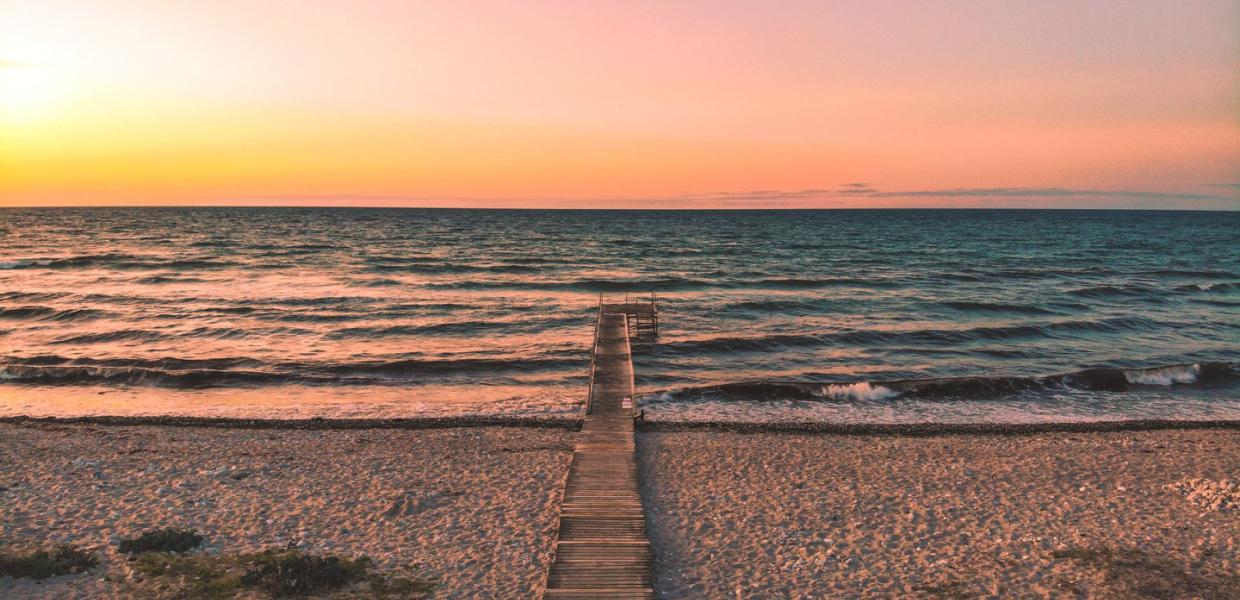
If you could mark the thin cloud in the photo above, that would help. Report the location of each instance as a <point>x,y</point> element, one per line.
<point>862,190</point>
<point>757,195</point>
<point>857,189</point>
<point>1046,193</point>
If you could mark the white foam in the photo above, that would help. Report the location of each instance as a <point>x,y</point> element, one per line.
<point>1164,375</point>
<point>861,390</point>
<point>659,398</point>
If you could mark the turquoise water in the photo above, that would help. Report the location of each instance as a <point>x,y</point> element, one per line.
<point>838,315</point>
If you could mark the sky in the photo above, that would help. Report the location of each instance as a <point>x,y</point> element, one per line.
<point>635,104</point>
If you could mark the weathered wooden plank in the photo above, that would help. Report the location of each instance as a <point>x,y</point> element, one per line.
<point>602,550</point>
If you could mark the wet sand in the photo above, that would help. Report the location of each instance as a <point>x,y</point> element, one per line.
<point>1126,514</point>
<point>473,508</point>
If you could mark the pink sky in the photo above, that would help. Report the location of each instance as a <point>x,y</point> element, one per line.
<point>634,104</point>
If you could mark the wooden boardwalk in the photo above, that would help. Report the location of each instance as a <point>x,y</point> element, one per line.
<point>602,550</point>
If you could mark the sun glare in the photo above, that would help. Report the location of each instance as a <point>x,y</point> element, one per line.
<point>29,92</point>
<point>33,74</point>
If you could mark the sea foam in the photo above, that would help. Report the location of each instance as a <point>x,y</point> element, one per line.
<point>1164,375</point>
<point>862,390</point>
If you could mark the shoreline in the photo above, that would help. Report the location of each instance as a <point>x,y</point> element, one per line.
<point>934,429</point>
<point>799,427</point>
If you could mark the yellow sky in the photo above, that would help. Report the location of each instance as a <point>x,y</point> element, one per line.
<point>641,104</point>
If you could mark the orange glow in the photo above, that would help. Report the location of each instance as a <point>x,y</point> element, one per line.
<point>549,104</point>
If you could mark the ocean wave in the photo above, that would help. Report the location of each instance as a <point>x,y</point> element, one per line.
<point>119,335</point>
<point>862,390</point>
<point>725,344</point>
<point>812,283</point>
<point>347,313</point>
<point>1219,303</point>
<point>450,328</point>
<point>870,337</point>
<point>47,313</point>
<point>159,279</point>
<point>118,261</point>
<point>132,300</point>
<point>666,284</point>
<point>1022,274</point>
<point>1164,375</point>
<point>31,296</point>
<point>1225,286</point>
<point>430,267</point>
<point>966,306</point>
<point>139,376</point>
<point>458,328</point>
<point>22,264</point>
<point>332,301</point>
<point>953,276</point>
<point>1194,273</point>
<point>376,283</point>
<point>451,366</point>
<point>958,388</point>
<point>225,372</point>
<point>582,285</point>
<point>538,260</point>
<point>211,244</point>
<point>460,296</point>
<point>146,335</point>
<point>1118,291</point>
<point>783,305</point>
<point>291,247</point>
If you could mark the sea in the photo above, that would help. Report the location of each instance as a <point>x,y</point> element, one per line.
<point>854,316</point>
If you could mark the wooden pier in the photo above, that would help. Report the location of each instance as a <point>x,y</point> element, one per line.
<point>642,316</point>
<point>602,550</point>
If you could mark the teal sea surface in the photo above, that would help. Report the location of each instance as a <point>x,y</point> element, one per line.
<point>855,316</point>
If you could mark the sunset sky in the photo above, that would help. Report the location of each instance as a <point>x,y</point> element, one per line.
<point>1039,103</point>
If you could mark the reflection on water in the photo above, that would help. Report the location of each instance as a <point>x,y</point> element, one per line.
<point>405,312</point>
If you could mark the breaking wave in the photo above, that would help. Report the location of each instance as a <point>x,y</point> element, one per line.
<point>1164,375</point>
<point>960,388</point>
<point>862,390</point>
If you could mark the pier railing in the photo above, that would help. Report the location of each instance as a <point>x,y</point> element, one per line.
<point>594,353</point>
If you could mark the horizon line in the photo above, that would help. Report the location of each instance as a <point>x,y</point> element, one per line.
<point>624,209</point>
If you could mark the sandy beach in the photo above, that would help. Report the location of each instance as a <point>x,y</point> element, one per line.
<point>1051,515</point>
<point>471,508</point>
<point>1125,514</point>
